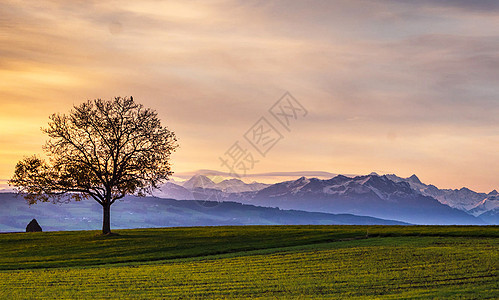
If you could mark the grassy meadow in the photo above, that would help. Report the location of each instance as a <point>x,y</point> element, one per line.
<point>254,262</point>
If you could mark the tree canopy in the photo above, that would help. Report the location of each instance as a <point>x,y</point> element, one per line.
<point>102,150</point>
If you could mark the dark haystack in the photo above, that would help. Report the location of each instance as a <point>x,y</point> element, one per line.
<point>33,226</point>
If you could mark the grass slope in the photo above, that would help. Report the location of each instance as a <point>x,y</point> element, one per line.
<point>254,261</point>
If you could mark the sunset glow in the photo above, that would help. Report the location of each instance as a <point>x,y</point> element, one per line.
<point>390,87</point>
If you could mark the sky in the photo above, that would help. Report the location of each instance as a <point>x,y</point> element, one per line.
<point>403,87</point>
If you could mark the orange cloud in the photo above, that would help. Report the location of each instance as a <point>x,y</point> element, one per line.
<point>389,85</point>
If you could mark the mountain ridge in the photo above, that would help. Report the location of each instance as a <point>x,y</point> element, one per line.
<point>372,195</point>
<point>384,196</point>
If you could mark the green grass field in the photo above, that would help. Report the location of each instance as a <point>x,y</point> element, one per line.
<point>254,262</point>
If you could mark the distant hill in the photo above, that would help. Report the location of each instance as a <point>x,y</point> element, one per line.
<point>148,212</point>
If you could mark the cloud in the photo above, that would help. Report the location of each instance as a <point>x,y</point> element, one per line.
<point>482,6</point>
<point>383,81</point>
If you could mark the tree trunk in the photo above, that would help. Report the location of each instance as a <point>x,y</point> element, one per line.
<point>106,220</point>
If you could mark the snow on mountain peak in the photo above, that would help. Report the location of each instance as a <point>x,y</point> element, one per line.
<point>414,179</point>
<point>487,204</point>
<point>199,181</point>
<point>302,179</point>
<point>296,185</point>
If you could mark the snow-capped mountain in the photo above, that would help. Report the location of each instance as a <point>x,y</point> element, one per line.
<point>232,185</point>
<point>238,186</point>
<point>199,181</point>
<point>201,187</point>
<point>387,196</point>
<point>371,195</point>
<point>463,199</point>
<point>171,190</point>
<point>487,204</point>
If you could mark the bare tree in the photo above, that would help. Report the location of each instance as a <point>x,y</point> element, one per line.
<point>102,150</point>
